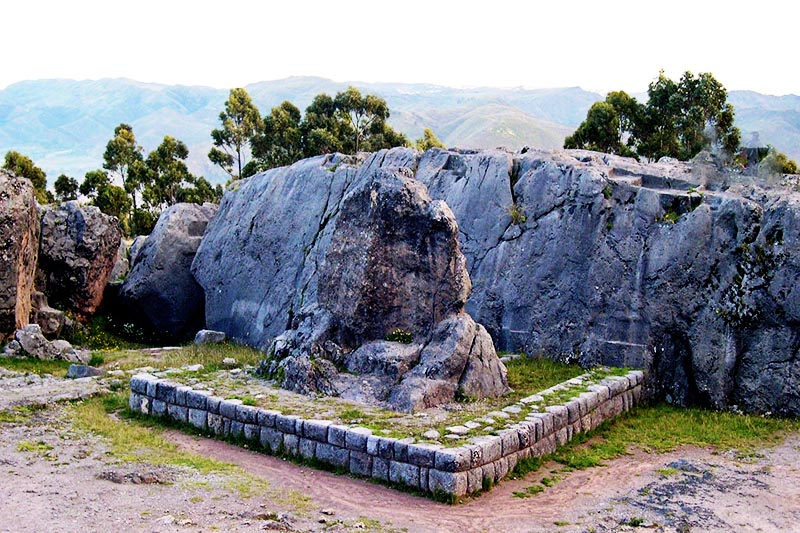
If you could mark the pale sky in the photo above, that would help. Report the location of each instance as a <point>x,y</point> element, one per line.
<point>596,45</point>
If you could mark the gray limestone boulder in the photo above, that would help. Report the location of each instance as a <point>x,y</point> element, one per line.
<point>393,262</point>
<point>393,265</point>
<point>122,265</point>
<point>160,289</point>
<point>684,269</point>
<point>136,246</point>
<point>19,248</point>
<point>209,336</point>
<point>459,361</point>
<point>77,252</point>
<point>30,342</point>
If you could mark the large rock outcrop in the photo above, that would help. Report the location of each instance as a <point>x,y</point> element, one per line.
<point>77,252</point>
<point>674,267</point>
<point>19,248</point>
<point>160,289</point>
<point>393,265</point>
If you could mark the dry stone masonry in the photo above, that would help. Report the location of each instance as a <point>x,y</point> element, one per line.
<point>433,469</point>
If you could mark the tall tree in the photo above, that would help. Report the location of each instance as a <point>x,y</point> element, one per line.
<point>322,131</point>
<point>66,188</point>
<point>364,114</point>
<point>109,198</point>
<point>23,167</point>
<point>168,173</point>
<point>123,157</point>
<point>280,142</point>
<point>678,120</point>
<point>428,140</point>
<point>240,122</point>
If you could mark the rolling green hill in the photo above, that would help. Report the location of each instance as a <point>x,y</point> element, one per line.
<point>64,124</point>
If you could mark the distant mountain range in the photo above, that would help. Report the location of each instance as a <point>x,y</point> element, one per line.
<point>63,125</point>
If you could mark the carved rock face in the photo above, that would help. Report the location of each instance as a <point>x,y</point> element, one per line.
<point>393,262</point>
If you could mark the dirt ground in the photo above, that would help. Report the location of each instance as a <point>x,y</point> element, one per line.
<point>53,478</point>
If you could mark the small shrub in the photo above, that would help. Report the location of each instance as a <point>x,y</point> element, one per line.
<point>517,213</point>
<point>607,192</point>
<point>400,335</point>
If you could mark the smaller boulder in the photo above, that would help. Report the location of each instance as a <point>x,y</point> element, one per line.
<point>160,290</point>
<point>77,252</point>
<point>52,321</point>
<point>136,247</point>
<point>122,266</point>
<point>209,336</point>
<point>84,371</point>
<point>30,342</point>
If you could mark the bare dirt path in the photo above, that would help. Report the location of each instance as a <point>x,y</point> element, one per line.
<point>54,478</point>
<point>687,490</point>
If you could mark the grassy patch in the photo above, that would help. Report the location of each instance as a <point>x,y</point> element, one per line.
<point>527,375</point>
<point>138,439</point>
<point>35,366</point>
<point>39,446</point>
<point>661,428</point>
<point>208,355</point>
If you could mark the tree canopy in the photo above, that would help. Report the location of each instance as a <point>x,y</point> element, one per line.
<point>240,122</point>
<point>23,167</point>
<point>679,120</point>
<point>428,140</point>
<point>151,183</point>
<point>348,122</point>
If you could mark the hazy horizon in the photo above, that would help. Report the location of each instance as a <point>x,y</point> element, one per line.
<point>595,46</point>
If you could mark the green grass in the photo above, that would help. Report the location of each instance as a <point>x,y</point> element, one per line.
<point>35,447</point>
<point>209,355</point>
<point>528,375</point>
<point>35,366</point>
<point>133,438</point>
<point>661,428</point>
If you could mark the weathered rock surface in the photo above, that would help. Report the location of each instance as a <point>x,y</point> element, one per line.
<point>77,252</point>
<point>136,246</point>
<point>19,248</point>
<point>209,336</point>
<point>52,321</point>
<point>393,263</point>
<point>160,288</point>
<point>29,342</point>
<point>122,265</point>
<point>575,255</point>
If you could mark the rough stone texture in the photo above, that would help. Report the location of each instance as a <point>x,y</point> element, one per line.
<point>77,252</point>
<point>136,247</point>
<point>19,248</point>
<point>122,266</point>
<point>29,342</point>
<point>160,286</point>
<point>615,262</point>
<point>393,263</point>
<point>209,336</point>
<point>52,321</point>
<point>460,357</point>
